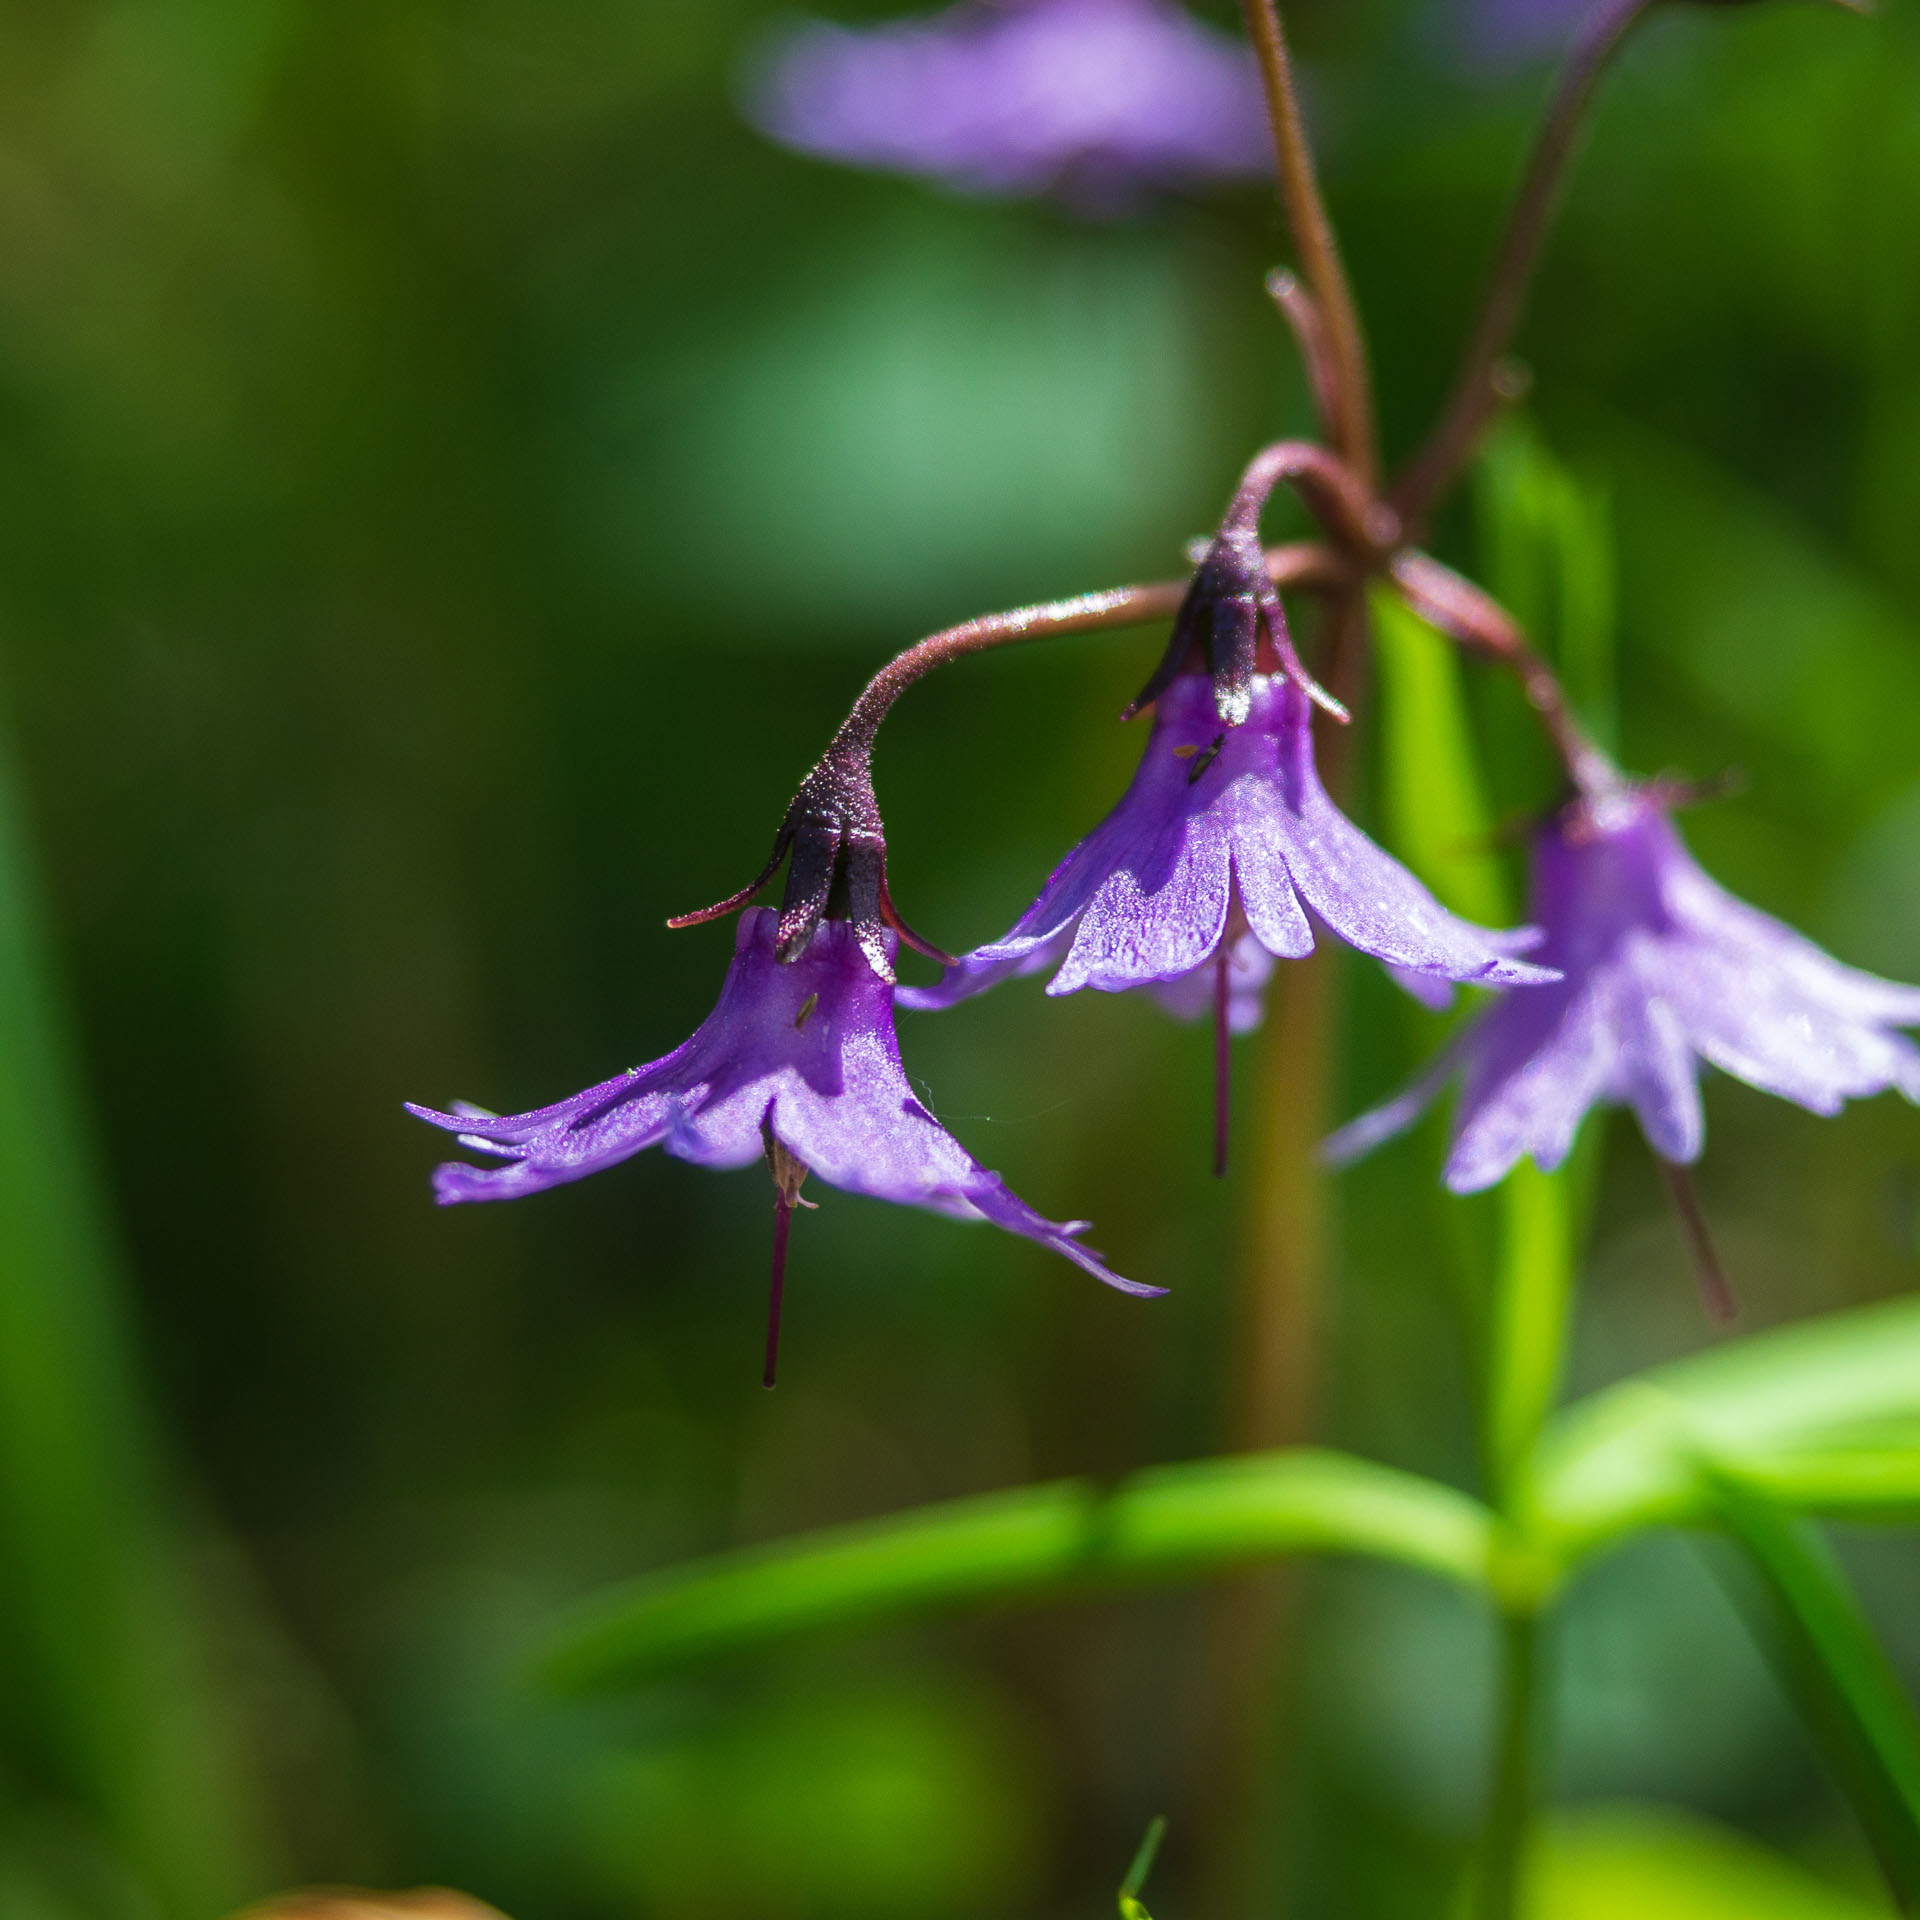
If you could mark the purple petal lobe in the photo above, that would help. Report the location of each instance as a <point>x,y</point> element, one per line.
<point>1363,894</point>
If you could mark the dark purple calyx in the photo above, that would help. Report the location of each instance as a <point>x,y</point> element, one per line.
<point>835,835</point>
<point>1231,597</point>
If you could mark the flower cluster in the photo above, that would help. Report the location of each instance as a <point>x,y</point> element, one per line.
<point>1226,854</point>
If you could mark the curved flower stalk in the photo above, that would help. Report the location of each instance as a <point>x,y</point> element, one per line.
<point>1095,101</point>
<point>797,1063</point>
<point>1661,969</point>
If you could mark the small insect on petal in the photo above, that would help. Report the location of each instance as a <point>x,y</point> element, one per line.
<point>805,1014</point>
<point>1206,759</point>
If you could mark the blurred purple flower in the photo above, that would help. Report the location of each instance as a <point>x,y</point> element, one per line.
<point>1661,967</point>
<point>797,1062</point>
<point>1215,857</point>
<point>1498,35</point>
<point>1095,100</point>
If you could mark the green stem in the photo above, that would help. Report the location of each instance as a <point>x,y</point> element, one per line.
<point>1516,1770</point>
<point>1527,1326</point>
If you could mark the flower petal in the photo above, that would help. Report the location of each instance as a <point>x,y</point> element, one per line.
<point>1535,1063</point>
<point>1392,1117</point>
<point>1157,917</point>
<point>1657,1076</point>
<point>1366,896</point>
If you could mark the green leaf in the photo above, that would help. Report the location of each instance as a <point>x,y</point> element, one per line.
<point>1130,1903</point>
<point>1824,1414</point>
<point>1609,1861</point>
<point>1209,1517</point>
<point>1546,535</point>
<point>112,1693</point>
<point>1825,1651</point>
<point>1439,821</point>
<point>1437,817</point>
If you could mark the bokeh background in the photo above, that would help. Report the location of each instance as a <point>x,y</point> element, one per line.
<point>453,475</point>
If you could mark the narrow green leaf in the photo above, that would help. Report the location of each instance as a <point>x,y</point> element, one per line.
<point>1439,821</point>
<point>1209,1517</point>
<point>1437,817</point>
<point>1130,1905</point>
<point>1546,540</point>
<point>1830,1407</point>
<point>1826,1653</point>
<point>110,1706</point>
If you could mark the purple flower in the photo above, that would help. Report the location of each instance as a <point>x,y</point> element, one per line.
<point>1224,851</point>
<point>1095,99</point>
<point>798,1063</point>
<point>1661,968</point>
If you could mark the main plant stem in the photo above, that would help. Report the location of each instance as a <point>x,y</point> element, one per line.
<point>1516,1768</point>
<point>1527,1322</point>
<point>1275,1341</point>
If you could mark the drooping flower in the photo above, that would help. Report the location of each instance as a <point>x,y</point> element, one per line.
<point>1093,100</point>
<point>797,1063</point>
<point>1224,850</point>
<point>1222,856</point>
<point>1661,969</point>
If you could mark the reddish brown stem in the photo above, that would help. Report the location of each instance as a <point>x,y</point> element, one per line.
<point>1302,313</point>
<point>1222,1060</point>
<point>1314,241</point>
<point>1716,1290</point>
<point>1477,389</point>
<point>782,1226</point>
<point>1301,563</point>
<point>1474,619</point>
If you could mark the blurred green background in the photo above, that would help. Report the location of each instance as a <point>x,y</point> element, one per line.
<point>453,475</point>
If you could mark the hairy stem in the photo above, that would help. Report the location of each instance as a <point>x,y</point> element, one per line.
<point>1301,563</point>
<point>1477,388</point>
<point>1314,241</point>
<point>1474,619</point>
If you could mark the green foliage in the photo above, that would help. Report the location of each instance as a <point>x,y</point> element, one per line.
<point>1826,1413</point>
<point>124,1779</point>
<point>1546,545</point>
<point>1824,1417</point>
<point>1170,1523</point>
<point>1605,1862</point>
<point>1828,1655</point>
<point>1437,815</point>
<point>1130,1904</point>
